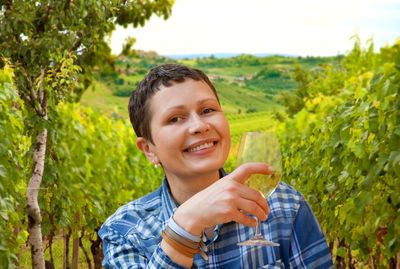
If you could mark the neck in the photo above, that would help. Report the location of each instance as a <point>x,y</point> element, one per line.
<point>183,188</point>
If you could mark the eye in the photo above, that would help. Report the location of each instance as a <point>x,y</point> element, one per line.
<point>175,119</point>
<point>208,110</point>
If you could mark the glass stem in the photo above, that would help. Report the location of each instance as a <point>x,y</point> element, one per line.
<point>258,233</point>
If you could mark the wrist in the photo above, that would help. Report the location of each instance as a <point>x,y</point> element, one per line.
<point>188,223</point>
<point>183,241</point>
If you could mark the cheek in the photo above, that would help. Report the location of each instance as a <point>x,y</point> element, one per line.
<point>225,128</point>
<point>228,134</point>
<point>167,139</point>
<point>228,144</point>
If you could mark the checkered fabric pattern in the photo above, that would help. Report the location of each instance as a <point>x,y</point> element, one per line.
<point>132,236</point>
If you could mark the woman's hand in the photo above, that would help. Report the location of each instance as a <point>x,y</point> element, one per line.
<point>228,199</point>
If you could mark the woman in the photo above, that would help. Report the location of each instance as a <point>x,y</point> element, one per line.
<point>199,214</point>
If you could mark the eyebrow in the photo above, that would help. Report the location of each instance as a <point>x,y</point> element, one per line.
<point>199,103</point>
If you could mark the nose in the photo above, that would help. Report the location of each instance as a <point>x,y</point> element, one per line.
<point>198,125</point>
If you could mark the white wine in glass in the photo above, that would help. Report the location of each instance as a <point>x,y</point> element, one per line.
<point>261,147</point>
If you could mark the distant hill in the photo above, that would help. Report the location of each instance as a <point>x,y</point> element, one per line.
<point>245,83</point>
<point>219,55</point>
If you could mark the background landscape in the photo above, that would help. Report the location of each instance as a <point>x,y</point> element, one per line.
<point>337,119</point>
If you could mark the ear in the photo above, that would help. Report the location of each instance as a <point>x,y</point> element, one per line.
<point>146,147</point>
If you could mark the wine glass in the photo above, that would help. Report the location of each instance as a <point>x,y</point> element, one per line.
<point>261,147</point>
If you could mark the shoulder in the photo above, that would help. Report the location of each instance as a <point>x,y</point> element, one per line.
<point>133,215</point>
<point>285,200</point>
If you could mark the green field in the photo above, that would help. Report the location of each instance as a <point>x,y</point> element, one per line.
<point>245,84</point>
<point>101,98</point>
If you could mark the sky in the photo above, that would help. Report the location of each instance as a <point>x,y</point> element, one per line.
<point>288,27</point>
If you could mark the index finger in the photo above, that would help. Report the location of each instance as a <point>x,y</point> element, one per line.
<point>244,171</point>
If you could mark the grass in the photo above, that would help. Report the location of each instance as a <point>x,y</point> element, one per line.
<point>228,76</point>
<point>234,99</point>
<point>100,97</point>
<point>234,71</point>
<point>261,121</point>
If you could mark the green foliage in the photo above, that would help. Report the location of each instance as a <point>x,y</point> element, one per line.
<point>237,61</point>
<point>130,68</point>
<point>326,79</point>
<point>13,170</point>
<point>341,149</point>
<point>343,154</point>
<point>127,47</point>
<point>53,46</point>
<point>94,167</point>
<point>138,12</point>
<point>271,80</point>
<point>292,101</point>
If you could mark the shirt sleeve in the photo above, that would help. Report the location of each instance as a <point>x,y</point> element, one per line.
<point>308,248</point>
<point>125,252</point>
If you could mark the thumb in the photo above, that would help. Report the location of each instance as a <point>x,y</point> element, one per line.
<point>244,171</point>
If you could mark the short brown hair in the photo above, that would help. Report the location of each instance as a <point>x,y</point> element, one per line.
<point>162,75</point>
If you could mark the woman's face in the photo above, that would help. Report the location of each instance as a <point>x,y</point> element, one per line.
<point>190,132</point>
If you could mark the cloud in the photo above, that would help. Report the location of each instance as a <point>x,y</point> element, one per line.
<point>302,27</point>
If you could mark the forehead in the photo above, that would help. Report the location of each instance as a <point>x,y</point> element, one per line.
<point>180,94</point>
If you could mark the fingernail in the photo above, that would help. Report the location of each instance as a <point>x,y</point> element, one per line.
<point>271,168</point>
<point>263,195</point>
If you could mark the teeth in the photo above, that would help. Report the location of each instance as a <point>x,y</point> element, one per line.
<point>202,146</point>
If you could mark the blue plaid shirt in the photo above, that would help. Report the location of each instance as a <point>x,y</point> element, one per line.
<point>132,236</point>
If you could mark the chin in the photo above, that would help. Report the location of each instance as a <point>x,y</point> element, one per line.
<point>209,166</point>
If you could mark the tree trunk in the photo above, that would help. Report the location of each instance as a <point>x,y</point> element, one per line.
<point>33,210</point>
<point>340,261</point>
<point>371,262</point>
<point>75,246</point>
<point>75,253</point>
<point>398,261</point>
<point>66,249</point>
<point>84,250</point>
<point>331,245</point>
<point>96,250</point>
<point>50,239</point>
<point>350,258</point>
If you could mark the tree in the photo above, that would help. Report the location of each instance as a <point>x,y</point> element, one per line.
<point>129,42</point>
<point>53,46</point>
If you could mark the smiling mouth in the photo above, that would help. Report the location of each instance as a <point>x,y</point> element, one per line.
<point>202,146</point>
